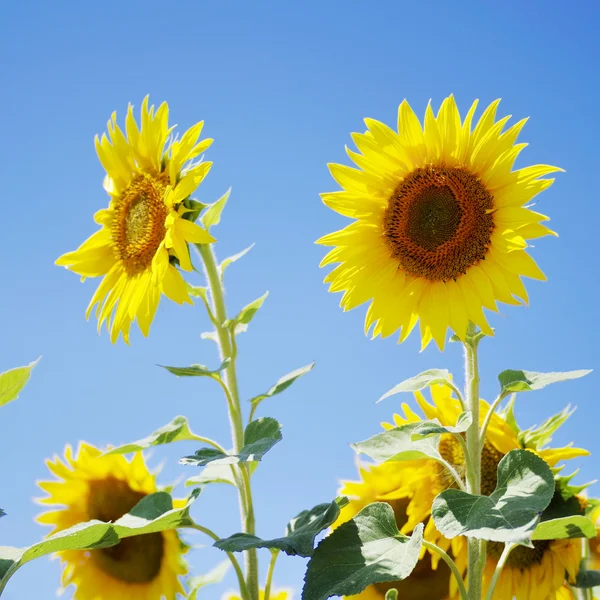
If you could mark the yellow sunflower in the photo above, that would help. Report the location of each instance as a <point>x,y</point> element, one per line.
<point>92,486</point>
<point>530,574</point>
<point>441,222</point>
<point>376,482</point>
<point>274,595</point>
<point>144,229</point>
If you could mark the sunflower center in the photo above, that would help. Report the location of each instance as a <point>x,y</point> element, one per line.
<point>437,223</point>
<point>521,557</point>
<point>139,224</point>
<point>136,559</point>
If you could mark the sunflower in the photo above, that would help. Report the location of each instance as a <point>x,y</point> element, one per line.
<point>530,574</point>
<point>274,595</point>
<point>441,222</point>
<point>93,486</point>
<point>144,230</point>
<point>376,482</point>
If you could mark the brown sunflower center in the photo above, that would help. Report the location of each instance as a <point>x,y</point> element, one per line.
<point>139,224</point>
<point>136,559</point>
<point>437,223</point>
<point>521,557</point>
<point>424,583</point>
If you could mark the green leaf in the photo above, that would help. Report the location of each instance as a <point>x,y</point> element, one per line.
<point>260,436</point>
<point>213,336</point>
<point>300,533</point>
<point>391,594</point>
<point>214,576</point>
<point>282,384</point>
<point>13,381</point>
<point>176,431</point>
<point>2,513</point>
<point>510,514</point>
<point>212,215</point>
<point>212,473</point>
<point>397,444</point>
<point>231,259</point>
<point>576,526</point>
<point>419,382</point>
<point>587,579</point>
<point>198,370</point>
<point>526,381</point>
<point>433,427</point>
<point>152,514</point>
<point>247,313</point>
<point>366,550</point>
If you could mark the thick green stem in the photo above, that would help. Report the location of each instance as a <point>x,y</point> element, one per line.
<point>226,348</point>
<point>475,566</point>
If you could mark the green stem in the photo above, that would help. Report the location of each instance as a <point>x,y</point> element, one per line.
<point>475,567</point>
<point>236,565</point>
<point>498,571</point>
<point>488,418</point>
<point>446,558</point>
<point>457,478</point>
<point>227,350</point>
<point>274,555</point>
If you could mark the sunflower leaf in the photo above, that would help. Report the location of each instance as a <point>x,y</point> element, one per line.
<point>198,370</point>
<point>282,384</point>
<point>397,444</point>
<point>366,550</point>
<point>510,514</point>
<point>152,514</point>
<point>575,526</point>
<point>433,427</point>
<point>260,436</point>
<point>13,381</point>
<point>212,473</point>
<point>247,313</point>
<point>213,576</point>
<point>177,430</point>
<point>587,579</point>
<point>419,382</point>
<point>231,259</point>
<point>300,532</point>
<point>527,381</point>
<point>212,215</point>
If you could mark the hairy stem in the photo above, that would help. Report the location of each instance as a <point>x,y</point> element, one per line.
<point>274,555</point>
<point>227,350</point>
<point>462,590</point>
<point>498,571</point>
<point>475,568</point>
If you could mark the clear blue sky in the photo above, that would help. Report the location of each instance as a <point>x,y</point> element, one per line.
<point>280,85</point>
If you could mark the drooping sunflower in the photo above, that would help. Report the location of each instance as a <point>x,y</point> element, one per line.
<point>441,222</point>
<point>376,482</point>
<point>530,574</point>
<point>144,229</point>
<point>92,486</point>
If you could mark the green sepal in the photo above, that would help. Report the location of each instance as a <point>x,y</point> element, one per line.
<point>212,214</point>
<point>13,381</point>
<point>300,532</point>
<point>366,550</point>
<point>260,436</point>
<point>153,513</point>
<point>510,514</point>
<point>538,436</point>
<point>194,208</point>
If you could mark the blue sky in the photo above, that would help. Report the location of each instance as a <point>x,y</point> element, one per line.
<point>281,86</point>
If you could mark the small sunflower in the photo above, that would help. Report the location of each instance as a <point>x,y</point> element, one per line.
<point>144,229</point>
<point>441,223</point>
<point>92,486</point>
<point>376,482</point>
<point>530,574</point>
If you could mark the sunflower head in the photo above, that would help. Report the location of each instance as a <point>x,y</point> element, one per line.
<point>145,231</point>
<point>90,486</point>
<point>441,222</point>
